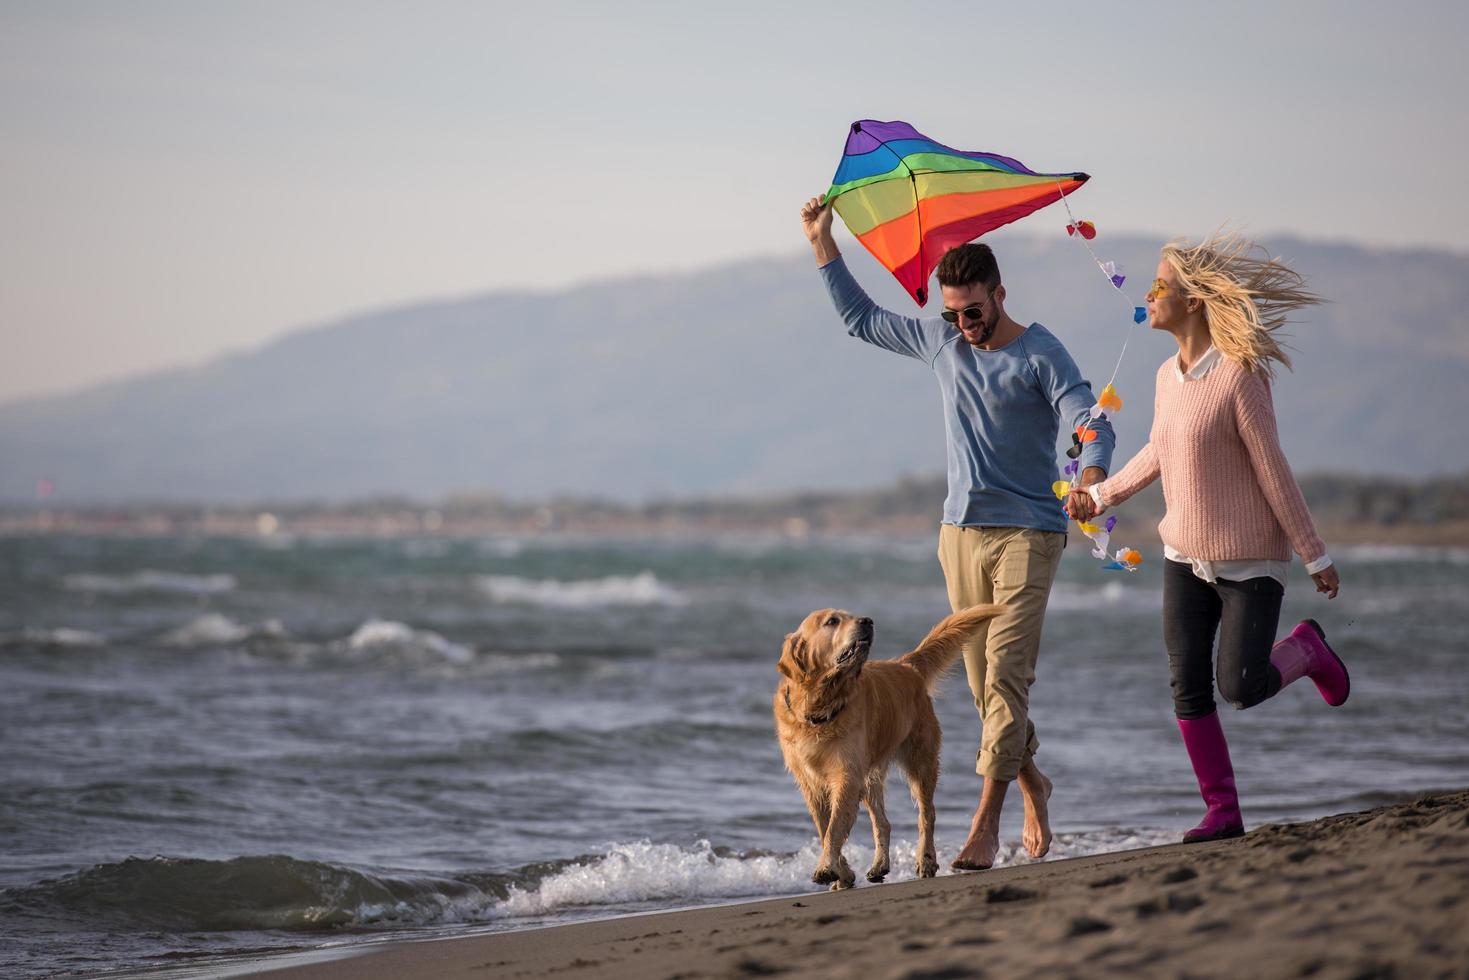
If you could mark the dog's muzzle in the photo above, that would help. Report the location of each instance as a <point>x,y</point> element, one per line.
<point>860,645</point>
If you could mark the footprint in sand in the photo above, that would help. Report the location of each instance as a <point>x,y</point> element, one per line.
<point>1085,926</point>
<point>1008,893</point>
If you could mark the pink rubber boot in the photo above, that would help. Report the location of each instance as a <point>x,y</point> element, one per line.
<point>1304,653</point>
<point>1209,752</point>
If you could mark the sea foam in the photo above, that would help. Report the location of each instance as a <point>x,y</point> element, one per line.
<point>149,580</point>
<point>218,630</point>
<point>380,637</point>
<point>646,872</point>
<point>642,872</point>
<point>281,892</point>
<point>643,589</point>
<point>61,638</point>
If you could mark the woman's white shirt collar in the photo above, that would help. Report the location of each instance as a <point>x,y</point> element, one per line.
<point>1201,367</point>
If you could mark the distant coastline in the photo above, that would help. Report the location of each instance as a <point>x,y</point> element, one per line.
<point>1349,509</point>
<point>664,393</point>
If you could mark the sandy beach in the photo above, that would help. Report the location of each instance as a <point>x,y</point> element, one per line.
<point>1380,893</point>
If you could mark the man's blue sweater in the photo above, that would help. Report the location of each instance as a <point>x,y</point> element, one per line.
<point>1002,409</point>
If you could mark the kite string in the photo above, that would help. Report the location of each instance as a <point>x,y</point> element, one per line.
<point>1131,307</point>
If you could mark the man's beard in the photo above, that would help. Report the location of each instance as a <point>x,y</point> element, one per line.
<point>989,328</point>
<point>988,331</point>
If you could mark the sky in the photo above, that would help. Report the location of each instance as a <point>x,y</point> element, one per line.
<point>185,179</point>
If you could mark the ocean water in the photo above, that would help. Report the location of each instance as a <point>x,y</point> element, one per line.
<point>215,747</point>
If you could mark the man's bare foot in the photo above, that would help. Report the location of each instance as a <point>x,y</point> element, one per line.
<point>1035,790</point>
<point>978,853</point>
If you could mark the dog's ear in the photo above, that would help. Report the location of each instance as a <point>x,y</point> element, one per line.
<point>794,652</point>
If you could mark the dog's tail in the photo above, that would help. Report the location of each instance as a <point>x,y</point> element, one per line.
<point>945,642</point>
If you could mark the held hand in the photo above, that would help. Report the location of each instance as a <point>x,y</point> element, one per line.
<point>816,219</point>
<point>1327,581</point>
<point>1080,506</point>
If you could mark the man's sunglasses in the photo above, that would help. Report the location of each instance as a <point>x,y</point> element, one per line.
<point>970,312</point>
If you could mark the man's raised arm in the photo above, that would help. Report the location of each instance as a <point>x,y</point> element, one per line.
<point>866,320</point>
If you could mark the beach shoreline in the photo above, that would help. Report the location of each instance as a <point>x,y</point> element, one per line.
<point>1376,893</point>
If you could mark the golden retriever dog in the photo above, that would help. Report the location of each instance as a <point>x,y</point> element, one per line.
<point>842,720</point>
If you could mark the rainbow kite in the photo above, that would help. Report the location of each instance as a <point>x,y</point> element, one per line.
<point>909,199</point>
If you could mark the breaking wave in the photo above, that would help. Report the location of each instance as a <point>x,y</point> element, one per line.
<point>632,874</point>
<point>278,892</point>
<point>386,638</point>
<point>380,641</point>
<point>60,638</point>
<point>149,581</point>
<point>643,589</point>
<point>249,893</point>
<point>217,630</point>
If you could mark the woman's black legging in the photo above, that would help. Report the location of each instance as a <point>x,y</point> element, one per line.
<point>1245,614</point>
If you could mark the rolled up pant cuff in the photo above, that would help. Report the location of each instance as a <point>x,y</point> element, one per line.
<point>1005,768</point>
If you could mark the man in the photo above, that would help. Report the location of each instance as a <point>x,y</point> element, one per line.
<point>1006,390</point>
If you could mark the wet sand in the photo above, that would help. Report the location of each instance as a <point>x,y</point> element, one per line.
<point>1377,894</point>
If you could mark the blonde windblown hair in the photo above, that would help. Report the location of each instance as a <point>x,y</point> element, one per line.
<point>1247,296</point>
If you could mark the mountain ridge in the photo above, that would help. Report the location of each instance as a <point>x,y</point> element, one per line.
<point>732,378</point>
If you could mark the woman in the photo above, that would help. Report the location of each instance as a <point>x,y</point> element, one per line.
<point>1234,512</point>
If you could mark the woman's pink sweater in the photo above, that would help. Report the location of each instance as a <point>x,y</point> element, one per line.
<point>1227,487</point>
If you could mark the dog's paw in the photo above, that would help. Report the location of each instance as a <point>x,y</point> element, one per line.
<point>928,866</point>
<point>877,875</point>
<point>836,870</point>
<point>841,884</point>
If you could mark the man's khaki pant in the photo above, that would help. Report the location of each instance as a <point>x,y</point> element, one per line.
<point>1014,567</point>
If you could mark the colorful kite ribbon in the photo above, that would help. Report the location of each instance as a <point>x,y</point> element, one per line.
<point>1108,403</point>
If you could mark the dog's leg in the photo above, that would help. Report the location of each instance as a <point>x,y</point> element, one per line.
<point>881,829</point>
<point>846,794</point>
<point>814,790</point>
<point>922,770</point>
